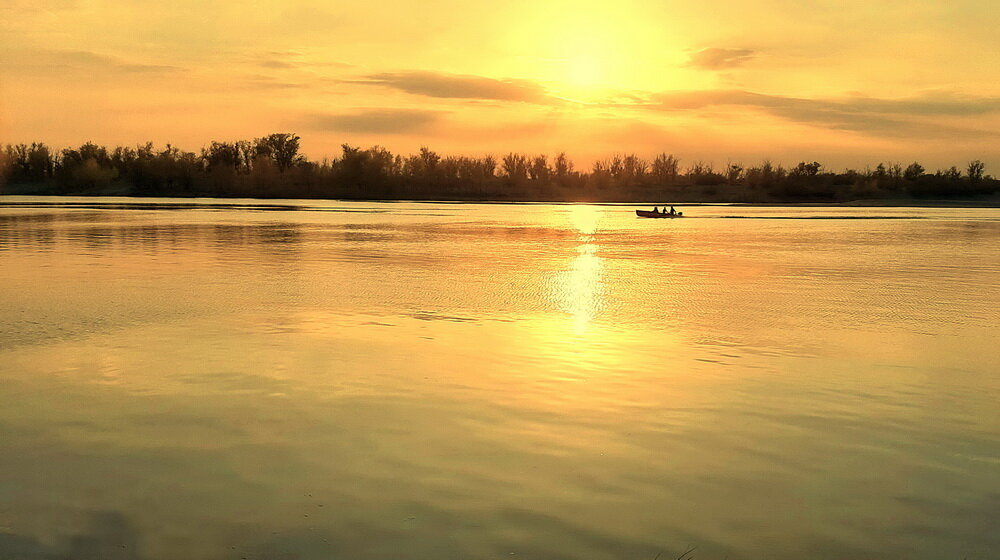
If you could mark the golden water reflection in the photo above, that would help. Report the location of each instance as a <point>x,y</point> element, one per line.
<point>579,289</point>
<point>352,380</point>
<point>585,218</point>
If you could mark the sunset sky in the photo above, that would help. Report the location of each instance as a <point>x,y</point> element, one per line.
<point>842,82</point>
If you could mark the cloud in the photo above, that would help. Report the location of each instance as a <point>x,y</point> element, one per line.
<point>95,61</point>
<point>271,63</point>
<point>31,6</point>
<point>378,121</point>
<point>148,68</point>
<point>714,58</point>
<point>459,86</point>
<point>36,60</point>
<point>261,81</point>
<point>284,60</point>
<point>897,117</point>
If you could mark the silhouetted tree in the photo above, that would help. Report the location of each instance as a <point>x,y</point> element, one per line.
<point>222,154</point>
<point>515,168</point>
<point>665,169</point>
<point>271,166</point>
<point>28,163</point>
<point>562,166</point>
<point>282,148</point>
<point>804,169</point>
<point>913,171</point>
<point>539,170</point>
<point>734,173</point>
<point>974,171</point>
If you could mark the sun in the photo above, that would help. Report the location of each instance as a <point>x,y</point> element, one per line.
<point>590,51</point>
<point>586,56</point>
<point>585,71</point>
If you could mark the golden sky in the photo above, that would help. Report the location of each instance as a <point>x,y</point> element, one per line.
<point>843,82</point>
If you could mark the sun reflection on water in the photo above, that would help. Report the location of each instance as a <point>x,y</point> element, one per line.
<point>583,287</point>
<point>578,290</point>
<point>585,219</point>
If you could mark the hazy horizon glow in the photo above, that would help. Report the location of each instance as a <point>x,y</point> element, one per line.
<point>843,83</point>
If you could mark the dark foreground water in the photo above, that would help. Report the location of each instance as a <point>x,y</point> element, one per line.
<point>193,380</point>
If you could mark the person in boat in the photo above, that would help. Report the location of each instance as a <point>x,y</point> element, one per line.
<point>656,210</point>
<point>672,211</point>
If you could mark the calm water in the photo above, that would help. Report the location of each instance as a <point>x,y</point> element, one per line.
<point>356,381</point>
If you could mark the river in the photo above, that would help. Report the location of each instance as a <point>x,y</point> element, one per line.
<point>226,379</point>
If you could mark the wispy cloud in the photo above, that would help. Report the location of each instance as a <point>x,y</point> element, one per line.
<point>898,117</point>
<point>265,82</point>
<point>715,58</point>
<point>377,121</point>
<point>272,63</point>
<point>41,60</point>
<point>287,60</point>
<point>460,86</point>
<point>31,7</point>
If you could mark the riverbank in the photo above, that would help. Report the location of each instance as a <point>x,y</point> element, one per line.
<point>118,191</point>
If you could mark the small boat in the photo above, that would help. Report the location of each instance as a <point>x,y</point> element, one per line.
<point>651,214</point>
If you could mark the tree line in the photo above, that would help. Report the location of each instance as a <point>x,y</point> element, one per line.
<point>272,166</point>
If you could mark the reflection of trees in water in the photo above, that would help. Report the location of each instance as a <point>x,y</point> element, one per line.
<point>33,231</point>
<point>37,229</point>
<point>35,237</point>
<point>279,241</point>
<point>109,536</point>
<point>50,217</point>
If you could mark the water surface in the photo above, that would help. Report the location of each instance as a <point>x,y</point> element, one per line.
<point>202,380</point>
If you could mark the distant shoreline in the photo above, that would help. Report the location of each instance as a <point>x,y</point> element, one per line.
<point>862,203</point>
<point>271,167</point>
